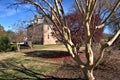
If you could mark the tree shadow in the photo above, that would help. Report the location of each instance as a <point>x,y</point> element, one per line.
<point>29,74</point>
<point>48,54</point>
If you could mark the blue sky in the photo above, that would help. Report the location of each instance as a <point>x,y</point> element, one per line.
<point>9,16</point>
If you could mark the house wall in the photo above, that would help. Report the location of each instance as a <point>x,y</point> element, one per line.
<point>37,34</point>
<point>29,33</point>
<point>34,33</point>
<point>47,36</point>
<point>40,31</point>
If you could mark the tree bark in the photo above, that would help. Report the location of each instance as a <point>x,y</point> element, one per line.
<point>88,73</point>
<point>18,47</point>
<point>30,44</point>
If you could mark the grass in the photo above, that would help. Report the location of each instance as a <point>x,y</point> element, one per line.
<point>17,65</point>
<point>50,47</point>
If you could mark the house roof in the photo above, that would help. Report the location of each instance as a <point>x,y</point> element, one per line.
<point>39,20</point>
<point>29,26</point>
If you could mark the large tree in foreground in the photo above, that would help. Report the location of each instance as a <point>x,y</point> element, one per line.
<point>87,8</point>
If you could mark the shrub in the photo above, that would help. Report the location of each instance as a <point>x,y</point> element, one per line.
<point>13,47</point>
<point>4,43</point>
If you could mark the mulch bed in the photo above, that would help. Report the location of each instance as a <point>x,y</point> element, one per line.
<point>109,69</point>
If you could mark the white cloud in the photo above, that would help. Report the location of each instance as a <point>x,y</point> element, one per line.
<point>5,12</point>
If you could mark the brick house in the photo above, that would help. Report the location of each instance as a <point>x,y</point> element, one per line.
<point>39,31</point>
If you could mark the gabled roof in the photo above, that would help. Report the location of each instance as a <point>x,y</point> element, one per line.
<point>40,20</point>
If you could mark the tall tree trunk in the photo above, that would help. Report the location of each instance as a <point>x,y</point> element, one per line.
<point>18,47</point>
<point>88,73</point>
<point>30,44</point>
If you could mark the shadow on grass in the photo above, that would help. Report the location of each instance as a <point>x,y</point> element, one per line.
<point>48,54</point>
<point>27,74</point>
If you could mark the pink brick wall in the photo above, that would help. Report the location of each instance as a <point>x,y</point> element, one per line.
<point>47,36</point>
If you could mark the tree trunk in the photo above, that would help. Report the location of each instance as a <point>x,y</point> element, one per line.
<point>88,74</point>
<point>18,47</point>
<point>30,44</point>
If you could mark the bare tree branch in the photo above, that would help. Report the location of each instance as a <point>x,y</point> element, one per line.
<point>109,43</point>
<point>114,38</point>
<point>113,10</point>
<point>79,8</point>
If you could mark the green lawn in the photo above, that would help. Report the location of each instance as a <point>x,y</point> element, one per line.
<point>51,46</point>
<point>19,65</point>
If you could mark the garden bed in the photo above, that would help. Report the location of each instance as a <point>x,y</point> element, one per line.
<point>109,69</point>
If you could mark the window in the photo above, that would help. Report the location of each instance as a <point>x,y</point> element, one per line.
<point>35,21</point>
<point>48,36</point>
<point>48,27</point>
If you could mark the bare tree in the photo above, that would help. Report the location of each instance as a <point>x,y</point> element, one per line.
<point>86,8</point>
<point>2,31</point>
<point>11,35</point>
<point>34,31</point>
<point>20,33</point>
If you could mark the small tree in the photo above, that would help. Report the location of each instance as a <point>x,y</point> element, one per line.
<point>12,36</point>
<point>20,33</point>
<point>2,31</point>
<point>87,8</point>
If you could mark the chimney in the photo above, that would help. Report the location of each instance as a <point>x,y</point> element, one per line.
<point>36,17</point>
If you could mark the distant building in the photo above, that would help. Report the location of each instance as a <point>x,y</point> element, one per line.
<point>39,31</point>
